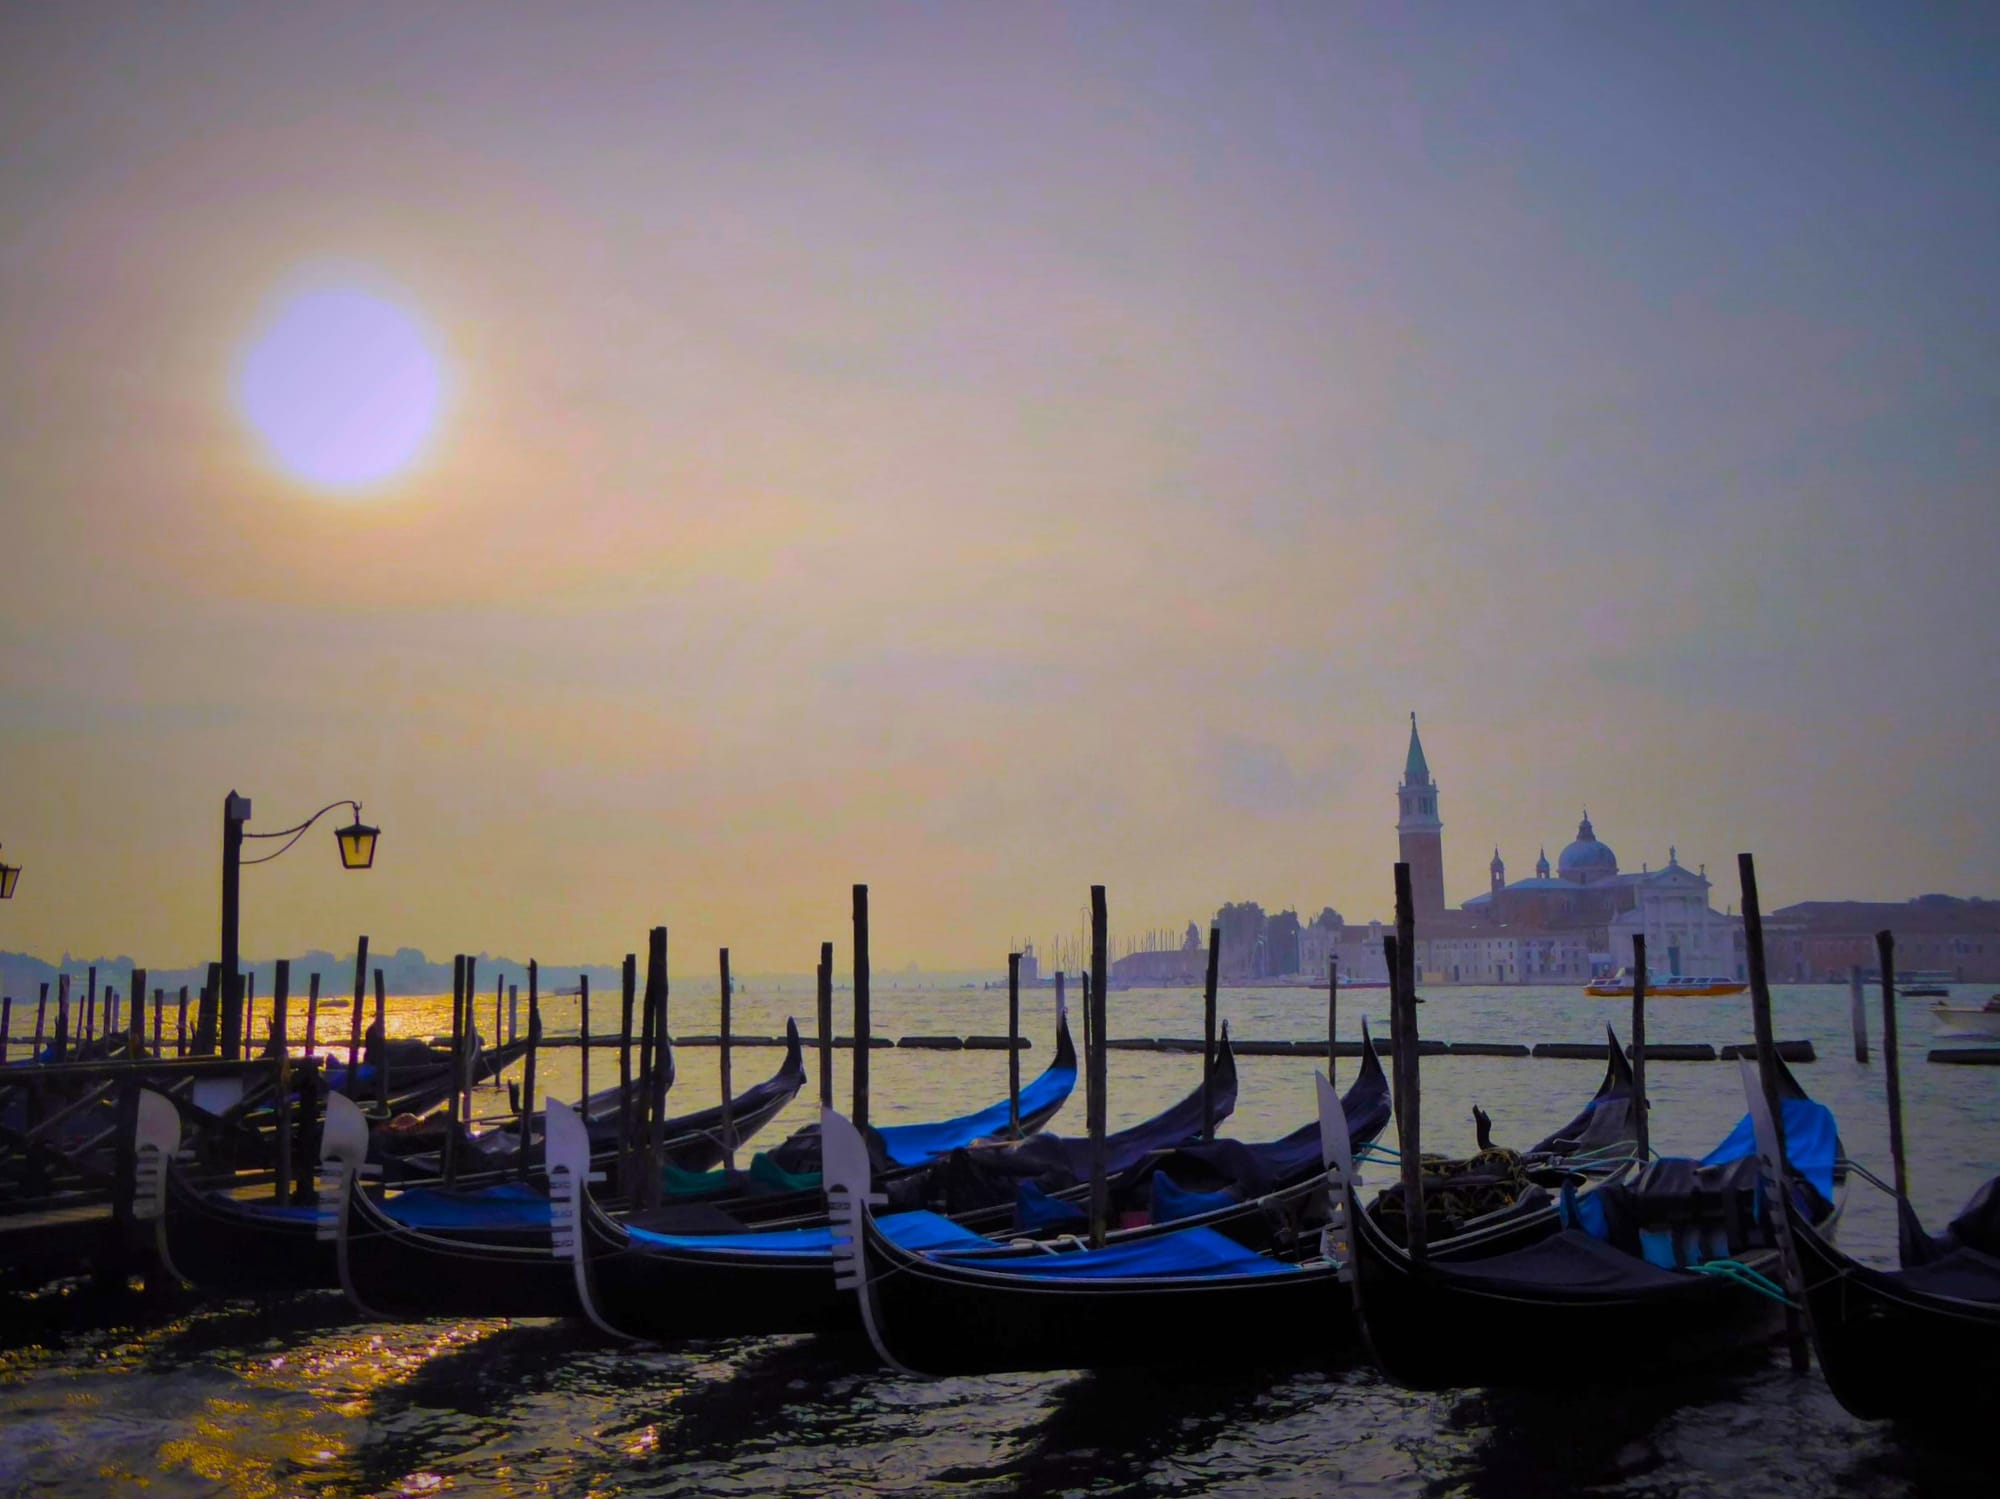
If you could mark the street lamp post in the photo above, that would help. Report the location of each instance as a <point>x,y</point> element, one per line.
<point>357,851</point>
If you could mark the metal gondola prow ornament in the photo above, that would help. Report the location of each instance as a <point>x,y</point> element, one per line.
<point>849,1183</point>
<point>1770,1157</point>
<point>566,1140</point>
<point>156,1137</point>
<point>1342,1182</point>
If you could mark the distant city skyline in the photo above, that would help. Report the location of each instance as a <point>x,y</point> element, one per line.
<point>983,452</point>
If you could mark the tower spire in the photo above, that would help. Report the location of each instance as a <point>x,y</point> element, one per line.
<point>1416,771</point>
<point>1419,830</point>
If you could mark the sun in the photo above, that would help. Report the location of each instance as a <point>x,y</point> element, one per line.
<point>343,387</point>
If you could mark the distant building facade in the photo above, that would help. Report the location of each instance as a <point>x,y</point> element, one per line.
<point>1818,941</point>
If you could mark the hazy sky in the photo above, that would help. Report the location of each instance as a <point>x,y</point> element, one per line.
<point>984,450</point>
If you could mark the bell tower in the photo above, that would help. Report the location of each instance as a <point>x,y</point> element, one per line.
<point>1419,832</point>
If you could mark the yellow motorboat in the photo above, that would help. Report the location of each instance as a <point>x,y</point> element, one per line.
<point>1674,986</point>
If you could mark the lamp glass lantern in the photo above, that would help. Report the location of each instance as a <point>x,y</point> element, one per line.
<point>357,844</point>
<point>10,876</point>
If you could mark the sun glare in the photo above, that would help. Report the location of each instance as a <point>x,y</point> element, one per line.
<point>343,388</point>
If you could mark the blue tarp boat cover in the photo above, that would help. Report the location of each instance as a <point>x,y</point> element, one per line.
<point>1190,1253</point>
<point>510,1205</point>
<point>914,1144</point>
<point>1812,1143</point>
<point>1035,1210</point>
<point>1171,1202</point>
<point>918,1231</point>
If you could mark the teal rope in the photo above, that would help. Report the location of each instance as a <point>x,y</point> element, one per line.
<point>1744,1275</point>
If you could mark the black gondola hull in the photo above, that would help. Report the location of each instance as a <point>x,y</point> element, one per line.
<point>1429,1329</point>
<point>1890,1350</point>
<point>660,1294</point>
<point>237,1247</point>
<point>393,1271</point>
<point>942,1319</point>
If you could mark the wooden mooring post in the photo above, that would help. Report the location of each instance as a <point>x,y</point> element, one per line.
<point>1208,999</point>
<point>1014,1044</point>
<point>281,990</point>
<point>62,1017</point>
<point>207,1020</point>
<point>1099,1020</point>
<point>1410,1127</point>
<point>382,1031</point>
<point>135,1016</point>
<point>354,1019</point>
<point>862,1028</point>
<point>723,997</point>
<point>627,1125</point>
<point>1767,1074</point>
<point>312,1012</point>
<point>1858,1013</point>
<point>1892,1060</point>
<point>181,1025</point>
<point>826,1025</point>
<point>528,1065</point>
<point>583,1034</point>
<point>159,1022</point>
<point>41,1017</point>
<point>461,1002</point>
<point>660,1075</point>
<point>1332,1015</point>
<point>1640,1133</point>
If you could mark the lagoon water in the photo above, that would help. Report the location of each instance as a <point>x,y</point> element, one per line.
<point>217,1396</point>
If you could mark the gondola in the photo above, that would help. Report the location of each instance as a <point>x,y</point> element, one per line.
<point>1035,1182</point>
<point>1176,1297</point>
<point>1604,1126</point>
<point>784,1183</point>
<point>645,1284</point>
<point>479,1252</point>
<point>692,1142</point>
<point>1194,1179</point>
<point>1620,1267</point>
<point>418,1075</point>
<point>487,1252</point>
<point>1920,1344</point>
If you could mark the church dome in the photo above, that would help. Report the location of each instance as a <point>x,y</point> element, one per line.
<point>1586,860</point>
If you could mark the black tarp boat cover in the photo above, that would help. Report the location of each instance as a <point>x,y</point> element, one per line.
<point>991,1176</point>
<point>1976,1227</point>
<point>1606,1120</point>
<point>1221,1167</point>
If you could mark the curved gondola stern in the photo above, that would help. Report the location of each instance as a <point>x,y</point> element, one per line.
<point>343,1161</point>
<point>567,1143</point>
<point>849,1195</point>
<point>1065,1043</point>
<point>1367,1102</point>
<point>1618,1067</point>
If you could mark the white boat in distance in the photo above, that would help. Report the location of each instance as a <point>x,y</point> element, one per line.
<point>1957,1020</point>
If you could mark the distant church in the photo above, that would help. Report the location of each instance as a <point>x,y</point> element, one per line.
<point>1556,929</point>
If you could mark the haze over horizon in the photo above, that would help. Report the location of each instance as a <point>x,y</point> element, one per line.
<point>985,451</point>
